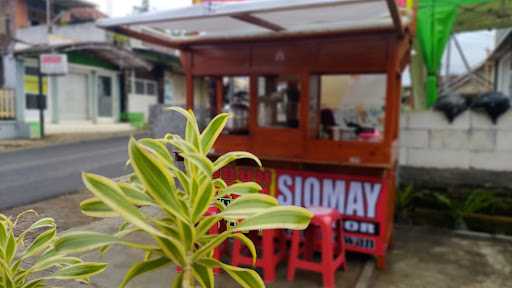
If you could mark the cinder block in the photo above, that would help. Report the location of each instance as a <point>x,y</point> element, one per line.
<point>402,157</point>
<point>438,158</point>
<point>404,119</point>
<point>504,141</point>
<point>505,121</point>
<point>495,161</point>
<point>481,121</point>
<point>414,138</point>
<point>482,140</point>
<point>436,120</point>
<point>449,139</point>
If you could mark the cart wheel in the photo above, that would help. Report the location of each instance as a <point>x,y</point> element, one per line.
<point>380,261</point>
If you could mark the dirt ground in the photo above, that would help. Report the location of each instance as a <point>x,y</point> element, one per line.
<point>64,209</point>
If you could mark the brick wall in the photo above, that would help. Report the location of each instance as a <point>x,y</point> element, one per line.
<point>428,140</point>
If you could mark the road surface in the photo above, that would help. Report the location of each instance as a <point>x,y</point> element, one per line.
<point>27,176</point>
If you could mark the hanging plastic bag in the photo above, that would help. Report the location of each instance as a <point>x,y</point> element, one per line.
<point>452,105</point>
<point>493,103</point>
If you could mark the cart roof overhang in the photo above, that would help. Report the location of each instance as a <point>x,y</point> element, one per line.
<point>260,20</point>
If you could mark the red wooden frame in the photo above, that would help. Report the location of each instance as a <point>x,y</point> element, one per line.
<point>383,52</point>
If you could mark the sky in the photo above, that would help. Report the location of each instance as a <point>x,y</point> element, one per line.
<point>475,45</point>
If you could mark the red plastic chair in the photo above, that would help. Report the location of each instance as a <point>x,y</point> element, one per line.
<point>272,250</point>
<point>325,229</point>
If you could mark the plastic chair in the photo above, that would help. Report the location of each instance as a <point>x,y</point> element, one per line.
<point>326,230</point>
<point>272,248</point>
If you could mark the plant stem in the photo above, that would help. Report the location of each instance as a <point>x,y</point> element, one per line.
<point>188,277</point>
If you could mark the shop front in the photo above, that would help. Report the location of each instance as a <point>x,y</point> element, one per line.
<point>314,88</point>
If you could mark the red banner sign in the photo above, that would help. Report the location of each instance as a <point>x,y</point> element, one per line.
<point>361,200</point>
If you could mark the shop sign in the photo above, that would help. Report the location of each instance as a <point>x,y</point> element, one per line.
<point>54,64</point>
<point>358,199</point>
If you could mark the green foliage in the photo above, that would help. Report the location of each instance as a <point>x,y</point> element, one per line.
<point>476,201</point>
<point>404,201</point>
<point>29,264</point>
<point>183,196</point>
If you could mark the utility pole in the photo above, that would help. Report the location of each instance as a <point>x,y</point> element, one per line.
<point>41,103</point>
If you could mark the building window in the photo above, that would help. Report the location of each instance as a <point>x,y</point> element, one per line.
<point>278,101</point>
<point>143,87</point>
<point>351,106</point>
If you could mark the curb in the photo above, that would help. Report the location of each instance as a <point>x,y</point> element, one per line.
<point>367,276</point>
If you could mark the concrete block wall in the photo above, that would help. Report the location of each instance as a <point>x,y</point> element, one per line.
<point>472,141</point>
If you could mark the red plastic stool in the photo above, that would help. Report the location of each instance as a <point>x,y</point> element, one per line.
<point>272,250</point>
<point>326,227</point>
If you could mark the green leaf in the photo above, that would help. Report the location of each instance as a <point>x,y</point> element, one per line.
<point>143,267</point>
<point>136,196</point>
<point>37,283</point>
<point>246,278</point>
<point>216,240</point>
<point>110,193</point>
<point>200,161</point>
<point>280,217</point>
<point>227,158</point>
<point>156,179</point>
<point>159,149</point>
<point>206,224</point>
<point>191,129</point>
<point>94,207</point>
<point>3,233</point>
<point>78,242</point>
<point>57,260</point>
<point>41,243</point>
<point>203,275</point>
<point>178,281</point>
<point>78,271</point>
<point>10,248</point>
<point>248,205</point>
<point>212,132</point>
<point>242,188</point>
<point>172,249</point>
<point>187,234</point>
<point>202,201</point>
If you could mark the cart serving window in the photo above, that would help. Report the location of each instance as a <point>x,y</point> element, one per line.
<point>314,87</point>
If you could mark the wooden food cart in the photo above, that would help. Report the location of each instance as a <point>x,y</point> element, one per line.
<point>315,89</point>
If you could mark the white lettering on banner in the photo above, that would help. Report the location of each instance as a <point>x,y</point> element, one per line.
<point>311,192</point>
<point>355,201</point>
<point>372,193</point>
<point>334,194</point>
<point>298,191</point>
<point>351,198</point>
<point>283,184</point>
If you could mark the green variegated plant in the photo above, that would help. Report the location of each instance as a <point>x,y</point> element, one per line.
<point>30,264</point>
<point>180,234</point>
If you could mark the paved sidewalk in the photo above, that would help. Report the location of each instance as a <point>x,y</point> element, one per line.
<point>60,138</point>
<point>429,257</point>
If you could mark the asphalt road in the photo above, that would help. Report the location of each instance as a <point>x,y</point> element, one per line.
<point>28,176</point>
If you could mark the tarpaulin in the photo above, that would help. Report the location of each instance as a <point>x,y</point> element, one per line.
<point>435,21</point>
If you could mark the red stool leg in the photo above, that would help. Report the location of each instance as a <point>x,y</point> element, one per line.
<point>294,255</point>
<point>236,254</point>
<point>329,269</point>
<point>269,262</point>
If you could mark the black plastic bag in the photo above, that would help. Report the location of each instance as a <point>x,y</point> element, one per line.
<point>452,105</point>
<point>493,103</point>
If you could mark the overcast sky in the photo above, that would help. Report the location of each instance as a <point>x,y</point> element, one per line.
<point>475,45</point>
